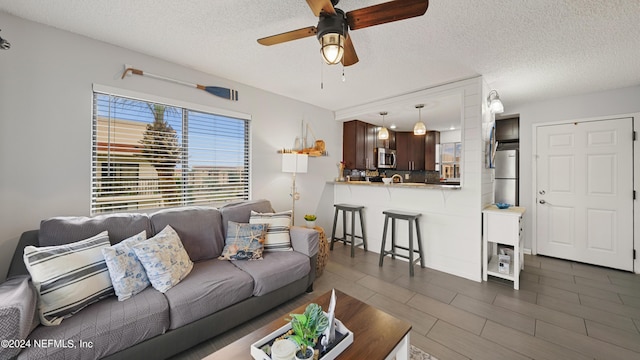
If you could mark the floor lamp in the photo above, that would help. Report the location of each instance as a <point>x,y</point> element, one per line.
<point>295,164</point>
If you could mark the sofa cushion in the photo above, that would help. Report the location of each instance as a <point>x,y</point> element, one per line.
<point>18,316</point>
<point>68,277</point>
<point>244,241</point>
<point>241,211</point>
<point>164,259</point>
<point>125,269</point>
<point>212,285</point>
<point>63,230</point>
<point>277,237</point>
<point>109,325</point>
<point>199,228</point>
<point>276,270</point>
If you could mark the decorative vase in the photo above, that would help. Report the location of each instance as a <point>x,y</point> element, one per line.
<point>340,172</point>
<point>311,224</point>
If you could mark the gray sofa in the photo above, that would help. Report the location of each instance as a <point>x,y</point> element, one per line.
<point>216,296</point>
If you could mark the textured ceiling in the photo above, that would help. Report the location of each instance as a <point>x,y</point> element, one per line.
<point>529,50</point>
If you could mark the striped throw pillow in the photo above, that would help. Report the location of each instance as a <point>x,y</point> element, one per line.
<point>277,238</point>
<point>68,277</point>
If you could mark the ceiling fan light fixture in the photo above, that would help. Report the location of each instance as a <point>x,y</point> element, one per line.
<point>332,48</point>
<point>419,128</point>
<point>494,102</point>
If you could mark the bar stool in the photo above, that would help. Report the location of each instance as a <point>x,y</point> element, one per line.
<point>411,218</point>
<point>351,209</point>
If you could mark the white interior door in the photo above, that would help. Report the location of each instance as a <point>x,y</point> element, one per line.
<point>584,190</point>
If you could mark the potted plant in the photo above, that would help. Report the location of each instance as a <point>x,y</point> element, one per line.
<point>311,220</point>
<point>307,328</point>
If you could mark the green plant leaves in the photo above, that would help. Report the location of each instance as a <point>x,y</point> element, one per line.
<point>309,326</point>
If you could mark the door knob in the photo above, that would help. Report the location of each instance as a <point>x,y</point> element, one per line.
<point>542,202</point>
<point>541,192</point>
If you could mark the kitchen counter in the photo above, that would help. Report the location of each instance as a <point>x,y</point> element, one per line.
<point>399,185</point>
<point>449,224</point>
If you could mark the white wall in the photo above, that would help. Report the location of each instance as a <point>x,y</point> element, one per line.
<point>45,127</point>
<point>450,136</point>
<point>605,103</point>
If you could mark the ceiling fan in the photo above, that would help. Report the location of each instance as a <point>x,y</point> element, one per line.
<point>334,25</point>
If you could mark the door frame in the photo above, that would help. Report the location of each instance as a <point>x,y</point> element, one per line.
<point>636,178</point>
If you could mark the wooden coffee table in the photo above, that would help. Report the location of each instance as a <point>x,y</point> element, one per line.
<point>376,334</point>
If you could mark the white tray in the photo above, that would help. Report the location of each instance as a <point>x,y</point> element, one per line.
<point>258,354</point>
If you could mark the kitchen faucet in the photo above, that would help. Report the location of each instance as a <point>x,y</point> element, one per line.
<point>396,175</point>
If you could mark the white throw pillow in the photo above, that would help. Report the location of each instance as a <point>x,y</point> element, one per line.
<point>277,238</point>
<point>68,277</point>
<point>164,259</point>
<point>125,269</point>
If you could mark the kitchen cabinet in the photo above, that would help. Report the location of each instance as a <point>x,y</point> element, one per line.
<point>502,227</point>
<point>389,143</point>
<point>410,151</point>
<point>508,129</point>
<point>432,138</point>
<point>358,145</point>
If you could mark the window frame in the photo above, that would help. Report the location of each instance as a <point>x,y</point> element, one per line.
<point>187,106</point>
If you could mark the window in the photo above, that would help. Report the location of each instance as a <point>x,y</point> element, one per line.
<point>151,155</point>
<point>450,160</point>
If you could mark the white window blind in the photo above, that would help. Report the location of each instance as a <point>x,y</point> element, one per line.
<point>148,155</point>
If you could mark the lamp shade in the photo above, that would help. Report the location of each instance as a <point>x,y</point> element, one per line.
<point>332,48</point>
<point>383,134</point>
<point>496,106</point>
<point>294,163</point>
<point>419,128</point>
<point>494,102</point>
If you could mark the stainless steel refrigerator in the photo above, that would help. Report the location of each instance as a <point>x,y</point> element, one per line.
<point>506,163</point>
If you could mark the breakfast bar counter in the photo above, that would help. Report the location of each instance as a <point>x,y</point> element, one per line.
<point>450,227</point>
<point>400,185</point>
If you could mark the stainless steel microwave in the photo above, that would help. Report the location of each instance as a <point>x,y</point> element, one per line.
<point>386,158</point>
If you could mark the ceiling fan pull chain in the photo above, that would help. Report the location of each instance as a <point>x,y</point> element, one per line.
<point>321,75</point>
<point>344,79</point>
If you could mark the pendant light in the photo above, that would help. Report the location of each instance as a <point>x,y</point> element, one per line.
<point>419,128</point>
<point>383,134</point>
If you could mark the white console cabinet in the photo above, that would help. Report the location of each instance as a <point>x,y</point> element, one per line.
<point>502,227</point>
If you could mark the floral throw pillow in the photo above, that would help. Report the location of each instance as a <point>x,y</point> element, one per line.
<point>164,259</point>
<point>244,241</point>
<point>125,269</point>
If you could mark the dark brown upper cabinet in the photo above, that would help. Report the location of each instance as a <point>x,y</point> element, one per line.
<point>432,138</point>
<point>508,130</point>
<point>390,143</point>
<point>359,145</point>
<point>410,151</point>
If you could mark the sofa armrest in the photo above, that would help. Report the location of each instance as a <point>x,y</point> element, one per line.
<point>18,316</point>
<point>304,240</point>
<point>17,266</point>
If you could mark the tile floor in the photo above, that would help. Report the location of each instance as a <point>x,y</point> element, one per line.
<point>563,310</point>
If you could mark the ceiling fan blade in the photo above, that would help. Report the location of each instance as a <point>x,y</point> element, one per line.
<point>386,13</point>
<point>350,57</point>
<point>288,36</point>
<point>320,6</point>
